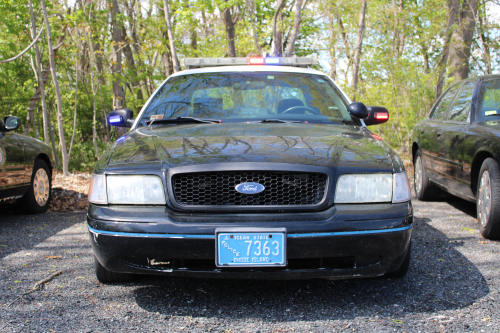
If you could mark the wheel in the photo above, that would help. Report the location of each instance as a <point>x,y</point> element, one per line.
<point>37,199</point>
<point>488,199</point>
<point>106,276</point>
<point>403,269</point>
<point>424,190</point>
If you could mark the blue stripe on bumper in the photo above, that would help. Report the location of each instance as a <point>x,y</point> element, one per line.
<point>180,236</point>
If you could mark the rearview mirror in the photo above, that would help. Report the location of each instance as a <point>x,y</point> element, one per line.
<point>121,117</point>
<point>358,110</point>
<point>376,115</point>
<point>11,123</point>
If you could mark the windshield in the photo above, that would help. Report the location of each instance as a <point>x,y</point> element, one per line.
<point>246,97</point>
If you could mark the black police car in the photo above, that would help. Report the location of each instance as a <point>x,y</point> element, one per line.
<point>250,168</point>
<point>457,149</point>
<point>25,168</point>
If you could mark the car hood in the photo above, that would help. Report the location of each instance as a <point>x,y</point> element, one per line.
<point>298,143</point>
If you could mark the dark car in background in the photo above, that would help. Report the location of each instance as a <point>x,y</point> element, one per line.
<point>236,170</point>
<point>457,149</point>
<point>25,169</point>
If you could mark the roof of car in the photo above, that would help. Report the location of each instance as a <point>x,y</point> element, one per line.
<point>249,68</point>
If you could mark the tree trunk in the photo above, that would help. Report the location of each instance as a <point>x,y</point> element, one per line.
<point>461,39</point>
<point>136,45</point>
<point>76,103</point>
<point>118,92</point>
<point>53,140</point>
<point>358,49</point>
<point>331,44</point>
<point>60,124</point>
<point>171,36</point>
<point>98,52</point>
<point>92,85</point>
<point>149,82</point>
<point>344,38</point>
<point>441,65</point>
<point>129,57</point>
<point>41,78</point>
<point>484,36</point>
<point>296,26</point>
<point>229,23</point>
<point>251,13</point>
<point>277,33</point>
<point>167,64</point>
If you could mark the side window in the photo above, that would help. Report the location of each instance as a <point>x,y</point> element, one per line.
<point>489,100</point>
<point>461,108</point>
<point>443,104</point>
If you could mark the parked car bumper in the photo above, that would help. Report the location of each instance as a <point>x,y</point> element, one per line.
<point>345,241</point>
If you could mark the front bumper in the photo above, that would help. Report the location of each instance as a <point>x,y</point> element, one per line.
<point>344,241</point>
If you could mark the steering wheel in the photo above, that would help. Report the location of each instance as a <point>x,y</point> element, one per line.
<point>301,107</point>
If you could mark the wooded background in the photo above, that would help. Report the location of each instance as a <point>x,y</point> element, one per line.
<point>93,56</point>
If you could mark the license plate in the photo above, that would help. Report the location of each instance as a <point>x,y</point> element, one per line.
<point>250,247</point>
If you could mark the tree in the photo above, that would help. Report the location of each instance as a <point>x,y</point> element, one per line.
<point>118,91</point>
<point>357,48</point>
<point>277,33</point>
<point>295,30</point>
<point>171,36</point>
<point>53,71</point>
<point>464,19</point>
<point>230,16</point>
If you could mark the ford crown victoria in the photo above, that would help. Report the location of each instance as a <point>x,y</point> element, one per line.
<point>257,168</point>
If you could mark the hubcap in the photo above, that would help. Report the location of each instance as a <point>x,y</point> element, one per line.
<point>41,187</point>
<point>484,199</point>
<point>418,175</point>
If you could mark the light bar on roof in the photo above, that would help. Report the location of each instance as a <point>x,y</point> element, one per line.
<point>276,61</point>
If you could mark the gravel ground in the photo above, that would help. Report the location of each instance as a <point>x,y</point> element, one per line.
<point>452,286</point>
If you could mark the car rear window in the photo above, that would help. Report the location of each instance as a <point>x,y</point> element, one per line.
<point>249,96</point>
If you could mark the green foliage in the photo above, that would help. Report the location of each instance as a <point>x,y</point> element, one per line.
<point>400,61</point>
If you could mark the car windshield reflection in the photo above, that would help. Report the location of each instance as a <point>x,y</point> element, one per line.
<point>249,97</point>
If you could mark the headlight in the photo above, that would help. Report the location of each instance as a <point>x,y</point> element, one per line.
<point>135,190</point>
<point>126,189</point>
<point>366,188</point>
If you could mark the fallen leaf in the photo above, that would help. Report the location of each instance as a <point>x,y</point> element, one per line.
<point>53,257</point>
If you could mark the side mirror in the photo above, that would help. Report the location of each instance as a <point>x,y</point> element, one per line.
<point>358,110</point>
<point>376,115</point>
<point>11,123</point>
<point>121,118</point>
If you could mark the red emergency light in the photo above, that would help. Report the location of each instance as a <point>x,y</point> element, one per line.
<point>381,115</point>
<point>256,61</point>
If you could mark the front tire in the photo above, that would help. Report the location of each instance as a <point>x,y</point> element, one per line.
<point>106,276</point>
<point>424,190</point>
<point>37,199</point>
<point>488,199</point>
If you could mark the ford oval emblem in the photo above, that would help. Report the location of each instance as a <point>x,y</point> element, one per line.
<point>249,188</point>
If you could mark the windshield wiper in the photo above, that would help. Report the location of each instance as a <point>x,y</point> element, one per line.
<point>183,120</point>
<point>279,121</point>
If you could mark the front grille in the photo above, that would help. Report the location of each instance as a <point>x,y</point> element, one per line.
<point>282,188</point>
